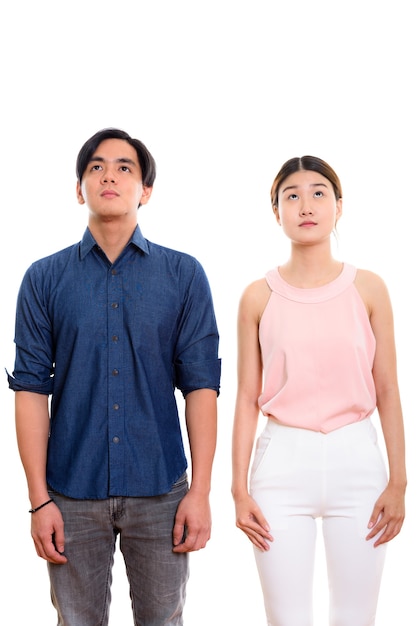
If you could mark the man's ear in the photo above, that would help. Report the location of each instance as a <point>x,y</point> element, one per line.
<point>146,194</point>
<point>79,193</point>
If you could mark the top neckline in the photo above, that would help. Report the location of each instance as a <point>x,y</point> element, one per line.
<point>311,294</point>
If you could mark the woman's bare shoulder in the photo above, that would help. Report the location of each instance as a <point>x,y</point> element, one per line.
<point>372,288</point>
<point>369,280</point>
<point>257,290</point>
<point>255,297</point>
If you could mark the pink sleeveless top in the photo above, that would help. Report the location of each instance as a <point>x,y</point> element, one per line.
<point>317,348</point>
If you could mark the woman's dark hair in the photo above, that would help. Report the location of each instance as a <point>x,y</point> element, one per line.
<point>145,158</point>
<point>305,163</point>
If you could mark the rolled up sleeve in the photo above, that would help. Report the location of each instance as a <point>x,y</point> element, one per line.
<point>197,365</point>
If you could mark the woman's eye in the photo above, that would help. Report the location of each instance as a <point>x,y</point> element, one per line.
<point>96,168</point>
<point>293,196</point>
<point>125,168</point>
<point>318,194</point>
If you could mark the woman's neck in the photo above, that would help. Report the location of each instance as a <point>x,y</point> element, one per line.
<point>309,268</point>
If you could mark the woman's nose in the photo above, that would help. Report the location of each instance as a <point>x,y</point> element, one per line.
<point>305,209</point>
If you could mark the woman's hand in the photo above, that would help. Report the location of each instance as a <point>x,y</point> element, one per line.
<point>388,515</point>
<point>252,522</point>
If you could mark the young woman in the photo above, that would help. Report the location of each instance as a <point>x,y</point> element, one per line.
<point>316,356</point>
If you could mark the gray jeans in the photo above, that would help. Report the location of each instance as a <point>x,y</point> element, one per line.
<point>80,589</point>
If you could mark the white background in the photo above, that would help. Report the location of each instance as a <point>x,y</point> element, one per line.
<point>222,93</point>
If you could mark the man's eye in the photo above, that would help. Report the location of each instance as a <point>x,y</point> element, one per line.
<point>96,168</point>
<point>125,168</point>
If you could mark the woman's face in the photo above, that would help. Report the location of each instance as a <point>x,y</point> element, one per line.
<point>307,207</point>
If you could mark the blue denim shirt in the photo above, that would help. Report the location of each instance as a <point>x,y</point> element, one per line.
<point>111,342</point>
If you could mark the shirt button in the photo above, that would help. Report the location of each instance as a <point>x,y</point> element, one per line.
<point>115,305</point>
<point>115,440</point>
<point>114,272</point>
<point>116,407</point>
<point>115,338</point>
<point>115,372</point>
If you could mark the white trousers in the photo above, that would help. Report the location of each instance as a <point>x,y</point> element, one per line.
<point>297,476</point>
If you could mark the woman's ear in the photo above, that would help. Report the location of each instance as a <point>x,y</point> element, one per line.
<point>339,210</point>
<point>276,213</point>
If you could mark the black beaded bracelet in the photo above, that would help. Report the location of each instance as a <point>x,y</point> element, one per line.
<point>40,507</point>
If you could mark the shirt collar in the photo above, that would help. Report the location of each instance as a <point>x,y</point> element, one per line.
<point>88,242</point>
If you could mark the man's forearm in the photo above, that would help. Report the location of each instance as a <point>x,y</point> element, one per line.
<point>32,430</point>
<point>201,419</point>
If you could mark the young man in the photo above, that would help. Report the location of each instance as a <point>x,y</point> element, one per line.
<point>109,328</point>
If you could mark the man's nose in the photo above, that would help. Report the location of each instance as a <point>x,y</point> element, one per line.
<point>108,176</point>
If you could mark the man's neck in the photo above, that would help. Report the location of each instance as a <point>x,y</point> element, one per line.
<point>111,236</point>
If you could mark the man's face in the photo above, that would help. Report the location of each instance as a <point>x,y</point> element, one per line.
<point>111,185</point>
